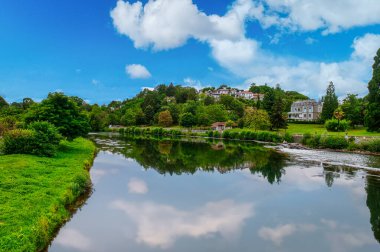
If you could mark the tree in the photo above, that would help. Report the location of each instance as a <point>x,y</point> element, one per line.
<point>209,100</point>
<point>256,118</point>
<point>149,114</point>
<point>353,109</point>
<point>277,117</point>
<point>98,119</point>
<point>373,111</point>
<point>268,100</point>
<point>339,114</point>
<point>165,118</point>
<point>330,102</point>
<point>171,90</point>
<point>187,120</point>
<point>3,103</point>
<point>63,113</point>
<point>373,203</point>
<point>26,103</point>
<point>129,118</point>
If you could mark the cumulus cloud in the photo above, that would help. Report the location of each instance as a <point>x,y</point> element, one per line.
<point>137,71</point>
<point>137,186</point>
<point>72,238</point>
<point>344,241</point>
<point>328,16</point>
<point>167,24</point>
<point>193,83</point>
<point>159,225</point>
<point>277,234</point>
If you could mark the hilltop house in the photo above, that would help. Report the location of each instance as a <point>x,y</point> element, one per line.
<point>306,110</point>
<point>235,93</point>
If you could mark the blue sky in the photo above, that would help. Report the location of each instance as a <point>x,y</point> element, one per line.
<point>84,47</point>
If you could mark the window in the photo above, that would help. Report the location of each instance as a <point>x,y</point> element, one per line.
<point>309,115</point>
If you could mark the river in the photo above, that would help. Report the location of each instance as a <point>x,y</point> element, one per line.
<point>195,195</point>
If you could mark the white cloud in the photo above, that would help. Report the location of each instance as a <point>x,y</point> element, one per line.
<point>148,88</point>
<point>310,41</point>
<point>277,234</point>
<point>308,77</point>
<point>167,24</point>
<point>137,186</point>
<point>160,225</point>
<point>74,239</point>
<point>193,83</point>
<point>137,71</point>
<point>344,241</point>
<point>326,15</point>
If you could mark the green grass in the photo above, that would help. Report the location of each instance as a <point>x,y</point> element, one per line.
<point>35,192</point>
<point>320,129</point>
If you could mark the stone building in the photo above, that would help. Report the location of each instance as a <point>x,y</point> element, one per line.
<point>307,110</point>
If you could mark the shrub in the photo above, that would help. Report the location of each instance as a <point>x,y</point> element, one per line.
<point>216,134</point>
<point>333,142</point>
<point>305,138</point>
<point>226,134</point>
<point>18,141</point>
<point>373,146</point>
<point>46,140</point>
<point>41,138</point>
<point>288,138</point>
<point>337,126</point>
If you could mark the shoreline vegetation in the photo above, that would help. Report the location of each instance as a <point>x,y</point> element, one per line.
<point>36,193</point>
<point>339,142</point>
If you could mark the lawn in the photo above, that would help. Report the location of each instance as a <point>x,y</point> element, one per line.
<point>35,192</point>
<point>320,129</point>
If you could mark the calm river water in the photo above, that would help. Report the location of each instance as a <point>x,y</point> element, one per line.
<point>154,195</point>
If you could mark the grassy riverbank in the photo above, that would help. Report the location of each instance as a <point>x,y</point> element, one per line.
<point>320,129</point>
<point>35,192</point>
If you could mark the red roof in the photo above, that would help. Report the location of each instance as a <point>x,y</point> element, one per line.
<point>216,124</point>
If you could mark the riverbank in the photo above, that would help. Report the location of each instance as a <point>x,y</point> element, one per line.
<point>35,193</point>
<point>316,141</point>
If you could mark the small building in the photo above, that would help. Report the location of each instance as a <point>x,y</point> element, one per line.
<point>306,110</point>
<point>220,126</point>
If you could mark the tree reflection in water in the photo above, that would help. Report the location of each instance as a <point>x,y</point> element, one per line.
<point>177,157</point>
<point>373,202</point>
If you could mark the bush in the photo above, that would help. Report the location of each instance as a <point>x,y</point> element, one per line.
<point>18,141</point>
<point>333,142</point>
<point>41,138</point>
<point>373,146</point>
<point>337,126</point>
<point>288,138</point>
<point>217,134</point>
<point>46,140</point>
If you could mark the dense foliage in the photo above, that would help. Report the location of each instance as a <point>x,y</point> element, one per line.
<point>373,111</point>
<point>41,138</point>
<point>330,103</point>
<point>63,113</point>
<point>337,125</point>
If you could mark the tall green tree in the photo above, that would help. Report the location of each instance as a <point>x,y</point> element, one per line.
<point>277,116</point>
<point>268,100</point>
<point>63,113</point>
<point>353,109</point>
<point>330,102</point>
<point>256,118</point>
<point>3,103</point>
<point>373,111</point>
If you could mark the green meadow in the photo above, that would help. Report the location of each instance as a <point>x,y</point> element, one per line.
<point>35,193</point>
